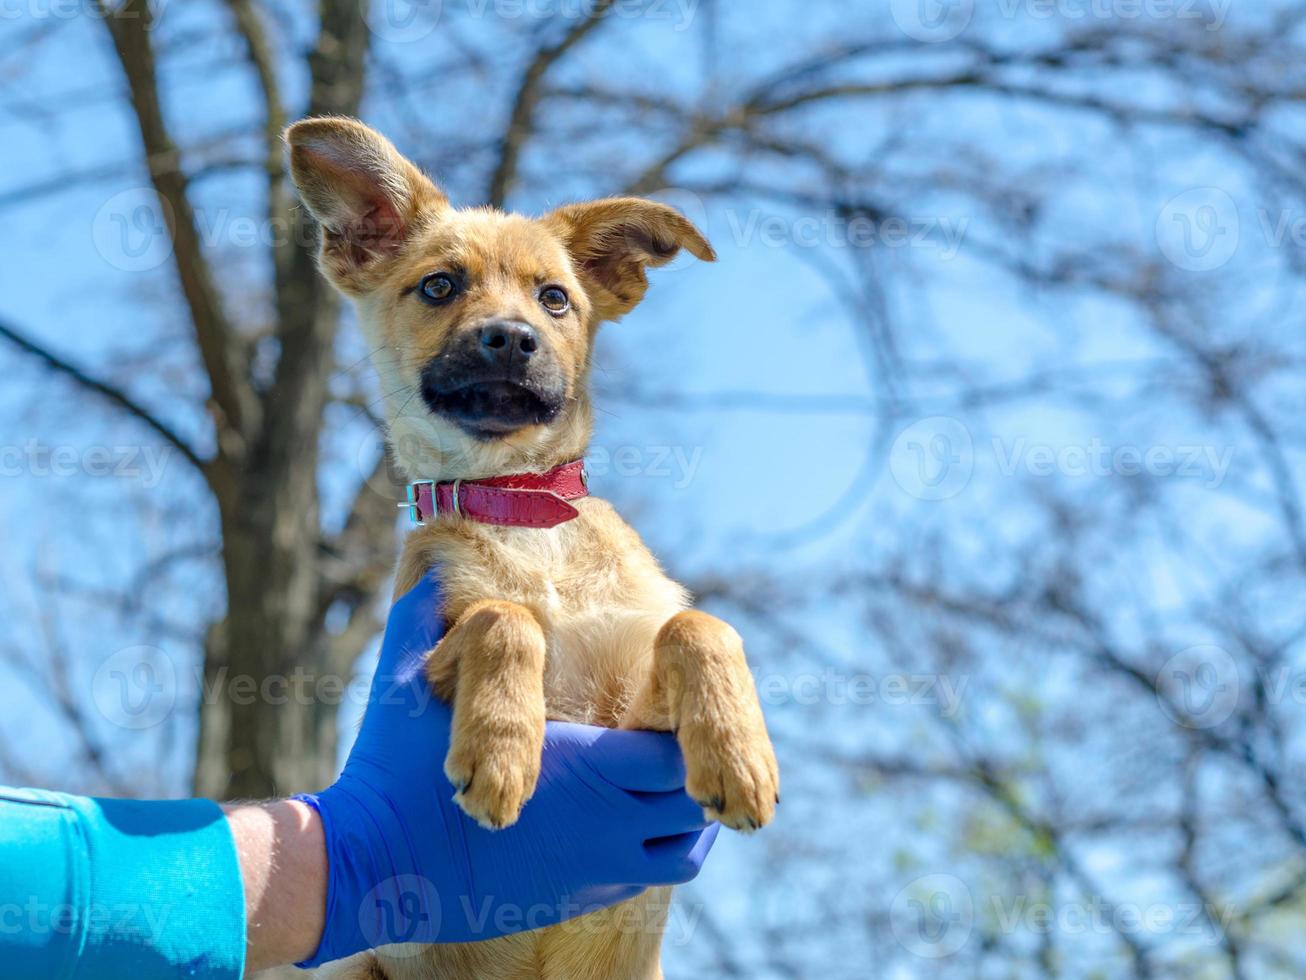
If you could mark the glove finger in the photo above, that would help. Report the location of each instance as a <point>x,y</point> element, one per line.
<point>643,762</point>
<point>666,814</point>
<point>676,860</point>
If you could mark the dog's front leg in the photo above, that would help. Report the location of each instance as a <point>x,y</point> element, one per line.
<point>491,665</point>
<point>701,689</point>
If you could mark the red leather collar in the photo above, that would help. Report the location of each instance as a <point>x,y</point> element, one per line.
<point>517,500</point>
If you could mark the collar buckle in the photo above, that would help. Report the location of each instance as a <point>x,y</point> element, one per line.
<point>414,509</point>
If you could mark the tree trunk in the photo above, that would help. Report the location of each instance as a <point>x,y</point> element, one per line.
<point>266,728</point>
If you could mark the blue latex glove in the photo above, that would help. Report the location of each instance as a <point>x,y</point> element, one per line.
<point>609,818</point>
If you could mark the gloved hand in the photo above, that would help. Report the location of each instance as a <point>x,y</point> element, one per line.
<point>609,818</point>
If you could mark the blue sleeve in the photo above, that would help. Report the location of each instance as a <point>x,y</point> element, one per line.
<point>93,889</point>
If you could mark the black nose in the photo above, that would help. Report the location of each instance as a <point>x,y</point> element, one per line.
<point>506,341</point>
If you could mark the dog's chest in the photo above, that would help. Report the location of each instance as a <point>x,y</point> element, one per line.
<point>595,589</point>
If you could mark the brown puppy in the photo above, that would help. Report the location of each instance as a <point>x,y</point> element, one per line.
<point>573,622</point>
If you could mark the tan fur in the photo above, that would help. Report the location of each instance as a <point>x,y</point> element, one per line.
<point>576,622</point>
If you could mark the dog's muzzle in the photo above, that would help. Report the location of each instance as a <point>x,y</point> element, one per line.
<point>495,380</point>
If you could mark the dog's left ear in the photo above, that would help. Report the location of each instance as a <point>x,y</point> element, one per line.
<point>613,241</point>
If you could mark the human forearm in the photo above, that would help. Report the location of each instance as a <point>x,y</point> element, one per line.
<point>284,870</point>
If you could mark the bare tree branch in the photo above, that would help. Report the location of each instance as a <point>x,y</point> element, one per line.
<point>527,98</point>
<point>219,345</point>
<point>103,389</point>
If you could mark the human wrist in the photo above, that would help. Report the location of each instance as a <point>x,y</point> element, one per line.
<point>283,863</point>
<point>368,857</point>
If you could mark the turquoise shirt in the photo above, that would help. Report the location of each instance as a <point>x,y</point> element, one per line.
<point>94,889</point>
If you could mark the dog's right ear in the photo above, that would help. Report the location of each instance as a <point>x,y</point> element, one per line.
<point>365,195</point>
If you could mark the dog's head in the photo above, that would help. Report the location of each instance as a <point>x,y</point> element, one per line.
<point>482,322</point>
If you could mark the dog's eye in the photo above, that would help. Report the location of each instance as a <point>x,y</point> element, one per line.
<point>554,300</point>
<point>438,287</point>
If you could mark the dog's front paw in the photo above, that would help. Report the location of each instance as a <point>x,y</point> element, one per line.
<point>494,774</point>
<point>731,773</point>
